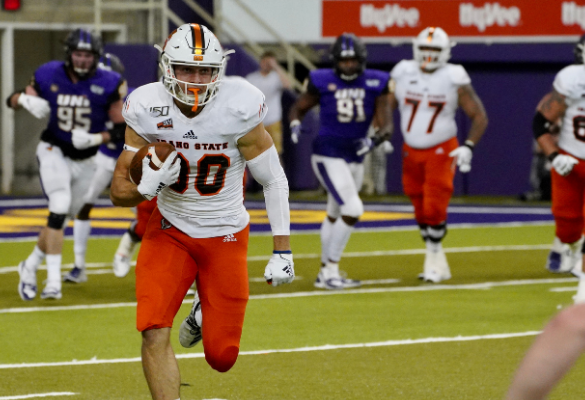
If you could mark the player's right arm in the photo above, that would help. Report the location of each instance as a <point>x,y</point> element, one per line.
<point>30,100</point>
<point>123,192</point>
<point>549,110</point>
<point>307,100</point>
<point>552,107</point>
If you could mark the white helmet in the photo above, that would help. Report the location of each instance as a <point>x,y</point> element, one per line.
<point>432,48</point>
<point>194,45</point>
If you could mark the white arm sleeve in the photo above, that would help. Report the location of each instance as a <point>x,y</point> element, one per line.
<point>266,169</point>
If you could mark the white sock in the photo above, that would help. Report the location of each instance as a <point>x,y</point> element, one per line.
<point>325,239</point>
<point>35,258</point>
<point>126,246</point>
<point>557,245</point>
<point>81,230</point>
<point>54,269</point>
<point>434,247</point>
<point>340,234</point>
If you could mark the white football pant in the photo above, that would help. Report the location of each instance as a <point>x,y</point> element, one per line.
<point>65,181</point>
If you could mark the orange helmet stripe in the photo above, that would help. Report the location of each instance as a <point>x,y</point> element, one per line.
<point>198,39</point>
<point>431,33</point>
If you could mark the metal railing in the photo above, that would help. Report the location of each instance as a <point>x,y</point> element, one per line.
<point>234,33</point>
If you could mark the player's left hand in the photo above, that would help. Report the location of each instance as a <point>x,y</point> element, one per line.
<point>563,163</point>
<point>280,269</point>
<point>83,140</point>
<point>364,146</point>
<point>462,155</point>
<point>387,147</point>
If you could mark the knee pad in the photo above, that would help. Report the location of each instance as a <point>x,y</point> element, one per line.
<point>56,221</point>
<point>223,361</point>
<point>60,202</point>
<point>436,233</point>
<point>353,207</point>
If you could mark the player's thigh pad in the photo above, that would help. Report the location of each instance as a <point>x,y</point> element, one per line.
<point>82,172</point>
<point>413,171</point>
<point>164,273</point>
<point>337,178</point>
<point>104,170</point>
<point>55,177</point>
<point>222,283</point>
<point>438,186</point>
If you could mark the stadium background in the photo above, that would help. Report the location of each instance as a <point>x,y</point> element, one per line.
<point>511,48</point>
<point>393,338</point>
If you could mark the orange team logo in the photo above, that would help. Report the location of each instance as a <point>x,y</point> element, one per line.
<point>166,124</point>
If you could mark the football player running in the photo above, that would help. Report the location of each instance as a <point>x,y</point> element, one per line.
<point>199,230</point>
<point>79,100</point>
<point>427,91</point>
<point>105,162</point>
<point>350,97</point>
<point>565,103</point>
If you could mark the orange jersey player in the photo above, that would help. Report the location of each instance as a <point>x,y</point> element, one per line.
<point>199,230</point>
<point>565,102</point>
<point>428,90</point>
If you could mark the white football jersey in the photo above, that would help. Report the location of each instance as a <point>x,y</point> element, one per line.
<point>570,82</point>
<point>208,199</point>
<point>427,102</point>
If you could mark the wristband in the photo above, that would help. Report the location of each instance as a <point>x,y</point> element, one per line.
<point>469,144</point>
<point>294,122</point>
<point>552,156</point>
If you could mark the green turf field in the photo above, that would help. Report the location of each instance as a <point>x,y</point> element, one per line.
<point>394,338</point>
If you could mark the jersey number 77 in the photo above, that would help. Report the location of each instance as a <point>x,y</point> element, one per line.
<point>438,106</point>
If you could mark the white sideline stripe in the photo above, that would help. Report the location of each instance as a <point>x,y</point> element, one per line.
<point>563,289</point>
<point>34,396</point>
<point>422,288</point>
<point>471,249</point>
<point>326,347</point>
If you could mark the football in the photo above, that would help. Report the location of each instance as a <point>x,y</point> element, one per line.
<point>157,152</point>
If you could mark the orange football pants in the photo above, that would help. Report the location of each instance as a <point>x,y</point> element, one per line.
<point>167,264</point>
<point>427,179</point>
<point>568,205</point>
<point>143,212</point>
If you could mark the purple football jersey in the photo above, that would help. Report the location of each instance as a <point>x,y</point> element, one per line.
<point>347,109</point>
<point>84,104</point>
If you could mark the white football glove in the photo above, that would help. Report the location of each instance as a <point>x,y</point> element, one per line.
<point>280,269</point>
<point>563,164</point>
<point>463,155</point>
<point>152,182</point>
<point>81,139</point>
<point>35,105</point>
<point>295,130</point>
<point>364,146</point>
<point>387,147</point>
